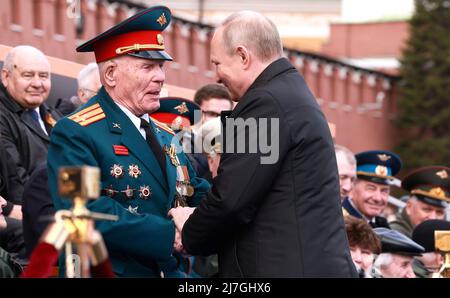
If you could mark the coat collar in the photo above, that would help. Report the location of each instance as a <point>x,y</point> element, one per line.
<point>274,69</point>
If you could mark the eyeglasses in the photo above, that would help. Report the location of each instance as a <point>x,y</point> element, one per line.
<point>211,113</point>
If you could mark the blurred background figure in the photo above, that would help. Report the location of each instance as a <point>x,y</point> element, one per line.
<point>346,163</point>
<point>429,192</point>
<point>397,255</point>
<point>364,244</point>
<point>431,260</point>
<point>213,99</point>
<point>88,81</point>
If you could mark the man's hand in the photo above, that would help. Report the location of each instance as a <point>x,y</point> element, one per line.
<point>180,215</point>
<point>16,212</point>
<point>3,223</point>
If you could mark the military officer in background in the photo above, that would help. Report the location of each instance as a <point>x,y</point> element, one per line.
<point>429,192</point>
<point>375,171</point>
<point>143,170</point>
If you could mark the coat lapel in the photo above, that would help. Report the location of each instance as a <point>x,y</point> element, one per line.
<point>171,172</point>
<point>33,126</point>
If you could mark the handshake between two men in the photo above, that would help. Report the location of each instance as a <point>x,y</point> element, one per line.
<point>180,215</point>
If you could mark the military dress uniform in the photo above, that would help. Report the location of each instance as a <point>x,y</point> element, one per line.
<point>431,186</point>
<point>378,167</point>
<point>137,185</point>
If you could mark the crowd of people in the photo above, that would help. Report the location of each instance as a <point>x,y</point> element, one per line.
<point>182,192</point>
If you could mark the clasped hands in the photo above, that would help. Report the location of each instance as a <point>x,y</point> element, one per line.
<point>179,216</point>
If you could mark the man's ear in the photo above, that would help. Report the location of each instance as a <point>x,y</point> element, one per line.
<point>5,75</point>
<point>244,56</point>
<point>110,73</point>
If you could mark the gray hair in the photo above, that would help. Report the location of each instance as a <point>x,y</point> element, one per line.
<point>84,76</point>
<point>254,31</point>
<point>347,153</point>
<point>382,261</point>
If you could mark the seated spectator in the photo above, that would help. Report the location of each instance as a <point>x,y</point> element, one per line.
<point>397,255</point>
<point>429,192</point>
<point>88,84</point>
<point>431,260</point>
<point>25,120</point>
<point>364,244</point>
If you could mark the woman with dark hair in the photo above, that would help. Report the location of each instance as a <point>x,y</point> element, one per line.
<point>364,244</point>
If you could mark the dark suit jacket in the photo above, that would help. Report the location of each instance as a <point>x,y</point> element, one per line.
<point>37,207</point>
<point>23,140</point>
<point>282,219</point>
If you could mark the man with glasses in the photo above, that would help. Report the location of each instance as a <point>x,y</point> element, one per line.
<point>213,99</point>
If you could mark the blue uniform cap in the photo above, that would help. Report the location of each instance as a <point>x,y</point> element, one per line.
<point>395,242</point>
<point>377,166</point>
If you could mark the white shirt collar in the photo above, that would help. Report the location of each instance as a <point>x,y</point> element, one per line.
<point>134,119</point>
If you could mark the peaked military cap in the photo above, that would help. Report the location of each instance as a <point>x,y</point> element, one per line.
<point>377,166</point>
<point>176,112</point>
<point>139,36</point>
<point>430,185</point>
<point>423,233</point>
<point>395,242</point>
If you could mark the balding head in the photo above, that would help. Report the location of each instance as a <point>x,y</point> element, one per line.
<point>26,76</point>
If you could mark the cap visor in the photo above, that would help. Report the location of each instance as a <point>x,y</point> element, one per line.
<point>152,55</point>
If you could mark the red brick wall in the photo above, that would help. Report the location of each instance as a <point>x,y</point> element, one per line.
<point>366,40</point>
<point>347,95</point>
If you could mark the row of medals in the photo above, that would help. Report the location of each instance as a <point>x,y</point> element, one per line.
<point>183,187</point>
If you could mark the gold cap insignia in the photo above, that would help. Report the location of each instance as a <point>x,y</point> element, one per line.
<point>438,192</point>
<point>182,108</point>
<point>162,20</point>
<point>160,39</point>
<point>442,174</point>
<point>381,170</point>
<point>383,157</point>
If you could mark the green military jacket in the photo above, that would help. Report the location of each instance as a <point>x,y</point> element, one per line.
<point>133,186</point>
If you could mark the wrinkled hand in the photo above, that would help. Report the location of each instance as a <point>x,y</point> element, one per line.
<point>177,244</point>
<point>180,215</point>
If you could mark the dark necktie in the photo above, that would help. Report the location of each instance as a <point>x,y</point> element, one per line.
<point>155,147</point>
<point>35,116</point>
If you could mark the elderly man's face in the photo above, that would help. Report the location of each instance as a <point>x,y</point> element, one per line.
<point>401,267</point>
<point>419,212</point>
<point>139,83</point>
<point>347,174</point>
<point>29,81</point>
<point>370,198</point>
<point>228,68</point>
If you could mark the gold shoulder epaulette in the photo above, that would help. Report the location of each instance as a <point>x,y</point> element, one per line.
<point>88,115</point>
<point>163,126</point>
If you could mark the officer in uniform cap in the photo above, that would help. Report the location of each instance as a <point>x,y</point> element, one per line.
<point>375,172</point>
<point>429,194</point>
<point>177,112</point>
<point>144,172</point>
<point>431,260</point>
<point>397,254</point>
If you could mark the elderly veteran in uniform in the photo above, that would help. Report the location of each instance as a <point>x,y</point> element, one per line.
<point>429,264</point>
<point>397,255</point>
<point>143,171</point>
<point>429,192</point>
<point>369,197</point>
